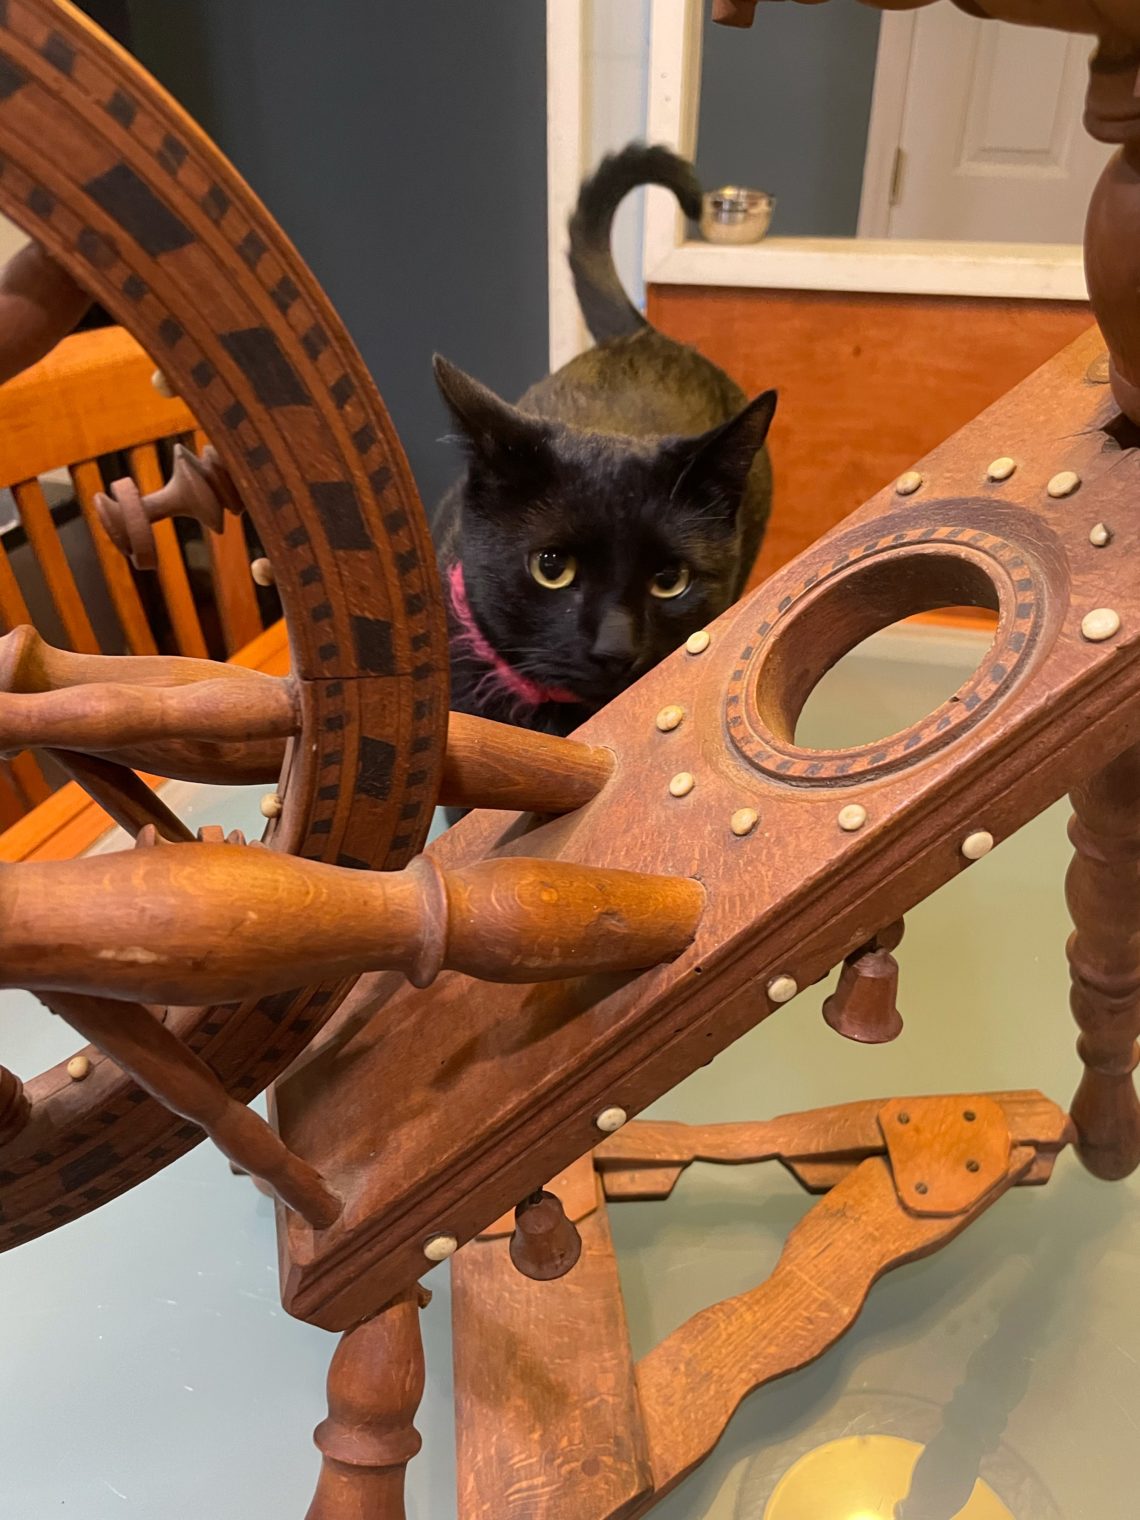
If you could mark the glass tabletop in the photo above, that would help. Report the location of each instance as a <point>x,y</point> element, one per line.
<point>150,1371</point>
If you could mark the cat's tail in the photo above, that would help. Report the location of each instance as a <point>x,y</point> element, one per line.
<point>608,311</point>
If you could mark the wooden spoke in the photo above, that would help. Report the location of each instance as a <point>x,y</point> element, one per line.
<point>158,1061</point>
<point>29,663</point>
<point>272,923</point>
<point>39,304</point>
<point>121,794</point>
<point>109,717</point>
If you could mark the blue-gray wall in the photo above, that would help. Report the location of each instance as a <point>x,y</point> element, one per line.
<point>784,108</point>
<point>403,148</point>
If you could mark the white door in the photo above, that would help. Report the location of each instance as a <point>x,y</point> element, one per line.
<point>989,136</point>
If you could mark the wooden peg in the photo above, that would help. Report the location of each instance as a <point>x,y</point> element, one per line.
<point>199,487</point>
<point>545,1244</point>
<point>15,1105</point>
<point>863,1005</point>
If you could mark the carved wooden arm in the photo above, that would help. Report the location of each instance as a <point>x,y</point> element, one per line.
<point>197,923</point>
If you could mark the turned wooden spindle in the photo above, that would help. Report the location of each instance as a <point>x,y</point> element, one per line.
<point>375,1384</point>
<point>108,718</point>
<point>1103,892</point>
<point>1112,231</point>
<point>493,765</point>
<point>28,663</point>
<point>163,714</point>
<point>271,922</point>
<point>39,304</point>
<point>15,1105</point>
<point>863,1006</point>
<point>545,1243</point>
<point>199,487</point>
<point>158,1061</point>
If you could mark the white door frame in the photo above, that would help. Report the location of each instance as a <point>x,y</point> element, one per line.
<point>888,108</point>
<point>567,148</point>
<point>875,264</point>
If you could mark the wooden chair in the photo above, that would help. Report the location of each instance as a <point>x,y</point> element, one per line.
<point>83,416</point>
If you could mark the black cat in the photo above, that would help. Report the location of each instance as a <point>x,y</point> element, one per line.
<point>615,510</point>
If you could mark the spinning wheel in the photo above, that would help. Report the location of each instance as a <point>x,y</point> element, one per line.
<point>143,213</point>
<point>646,892</point>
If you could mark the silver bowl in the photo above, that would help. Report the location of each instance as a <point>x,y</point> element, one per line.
<point>734,214</point>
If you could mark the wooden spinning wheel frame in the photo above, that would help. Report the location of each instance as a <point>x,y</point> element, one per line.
<point>639,928</point>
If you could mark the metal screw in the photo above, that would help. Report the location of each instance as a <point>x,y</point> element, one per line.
<point>904,1118</point>
<point>973,1166</point>
<point>921,1187</point>
<point>969,1116</point>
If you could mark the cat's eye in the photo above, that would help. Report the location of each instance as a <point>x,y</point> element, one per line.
<point>670,582</point>
<point>553,569</point>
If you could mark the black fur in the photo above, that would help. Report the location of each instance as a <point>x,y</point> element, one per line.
<point>637,457</point>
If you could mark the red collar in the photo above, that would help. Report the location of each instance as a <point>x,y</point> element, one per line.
<point>500,675</point>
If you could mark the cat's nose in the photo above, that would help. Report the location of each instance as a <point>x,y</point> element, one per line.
<point>614,644</point>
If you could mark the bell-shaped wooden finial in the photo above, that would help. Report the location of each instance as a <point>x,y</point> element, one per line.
<point>545,1244</point>
<point>863,1006</point>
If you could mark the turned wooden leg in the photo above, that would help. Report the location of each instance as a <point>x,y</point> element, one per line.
<point>1103,891</point>
<point>376,1381</point>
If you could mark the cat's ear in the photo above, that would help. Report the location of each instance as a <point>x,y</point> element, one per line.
<point>493,428</point>
<point>715,464</point>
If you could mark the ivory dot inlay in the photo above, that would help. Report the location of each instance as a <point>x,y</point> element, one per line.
<point>669,717</point>
<point>1099,624</point>
<point>1099,535</point>
<point>782,989</point>
<point>1002,469</point>
<point>262,572</point>
<point>698,642</point>
<point>908,483</point>
<point>682,784</point>
<point>1063,484</point>
<point>852,817</point>
<point>610,1119</point>
<point>78,1067</point>
<point>743,821</point>
<point>271,805</point>
<point>977,844</point>
<point>440,1247</point>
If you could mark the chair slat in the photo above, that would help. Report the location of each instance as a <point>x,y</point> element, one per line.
<point>87,479</point>
<point>35,514</point>
<point>30,778</point>
<point>13,804</point>
<point>229,569</point>
<point>172,575</point>
<point>13,608</point>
